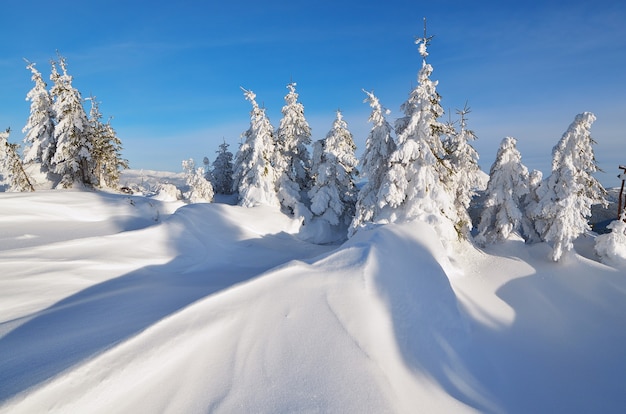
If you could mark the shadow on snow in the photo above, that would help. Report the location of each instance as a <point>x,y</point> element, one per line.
<point>211,257</point>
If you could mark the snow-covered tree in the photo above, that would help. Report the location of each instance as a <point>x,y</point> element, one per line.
<point>333,194</point>
<point>374,164</point>
<point>293,161</point>
<point>11,165</point>
<point>529,205</point>
<point>508,183</point>
<point>254,174</point>
<point>567,195</point>
<point>39,129</point>
<point>208,175</point>
<point>73,159</point>
<point>199,189</point>
<point>416,185</point>
<point>463,162</point>
<point>106,151</point>
<point>611,247</point>
<point>222,173</point>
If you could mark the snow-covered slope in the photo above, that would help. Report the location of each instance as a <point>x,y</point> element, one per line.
<point>112,303</point>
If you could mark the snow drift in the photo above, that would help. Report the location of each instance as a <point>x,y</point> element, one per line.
<point>114,303</point>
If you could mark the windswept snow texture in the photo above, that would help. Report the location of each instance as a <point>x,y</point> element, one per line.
<point>117,304</point>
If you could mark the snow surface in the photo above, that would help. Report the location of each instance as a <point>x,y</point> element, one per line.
<point>117,303</point>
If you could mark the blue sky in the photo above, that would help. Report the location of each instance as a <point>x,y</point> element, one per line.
<point>169,72</point>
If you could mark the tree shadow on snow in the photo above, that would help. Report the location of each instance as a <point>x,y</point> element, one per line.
<point>564,350</point>
<point>211,256</point>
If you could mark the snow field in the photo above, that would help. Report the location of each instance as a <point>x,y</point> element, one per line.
<point>218,308</point>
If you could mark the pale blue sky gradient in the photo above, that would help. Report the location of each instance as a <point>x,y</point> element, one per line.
<point>169,72</point>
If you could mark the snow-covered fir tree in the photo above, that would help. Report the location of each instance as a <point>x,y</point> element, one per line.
<point>293,161</point>
<point>254,174</point>
<point>567,195</point>
<point>529,205</point>
<point>199,189</point>
<point>72,159</point>
<point>417,185</point>
<point>11,166</point>
<point>333,194</point>
<point>222,173</point>
<point>106,151</point>
<point>508,183</point>
<point>465,179</point>
<point>374,164</point>
<point>39,128</point>
<point>208,175</point>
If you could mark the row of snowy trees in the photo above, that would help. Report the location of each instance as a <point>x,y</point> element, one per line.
<point>428,172</point>
<point>70,147</point>
<point>553,210</point>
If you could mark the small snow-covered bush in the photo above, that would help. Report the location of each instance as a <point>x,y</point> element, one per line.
<point>611,247</point>
<point>168,192</point>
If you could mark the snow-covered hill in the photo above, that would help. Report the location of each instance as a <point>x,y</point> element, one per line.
<point>118,303</point>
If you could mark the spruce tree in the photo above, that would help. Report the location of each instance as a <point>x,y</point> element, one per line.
<point>254,174</point>
<point>374,164</point>
<point>11,165</point>
<point>569,192</point>
<point>416,186</point>
<point>207,170</point>
<point>39,129</point>
<point>293,162</point>
<point>333,194</point>
<point>73,157</point>
<point>529,207</point>
<point>462,160</point>
<point>508,183</point>
<point>107,160</point>
<point>222,173</point>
